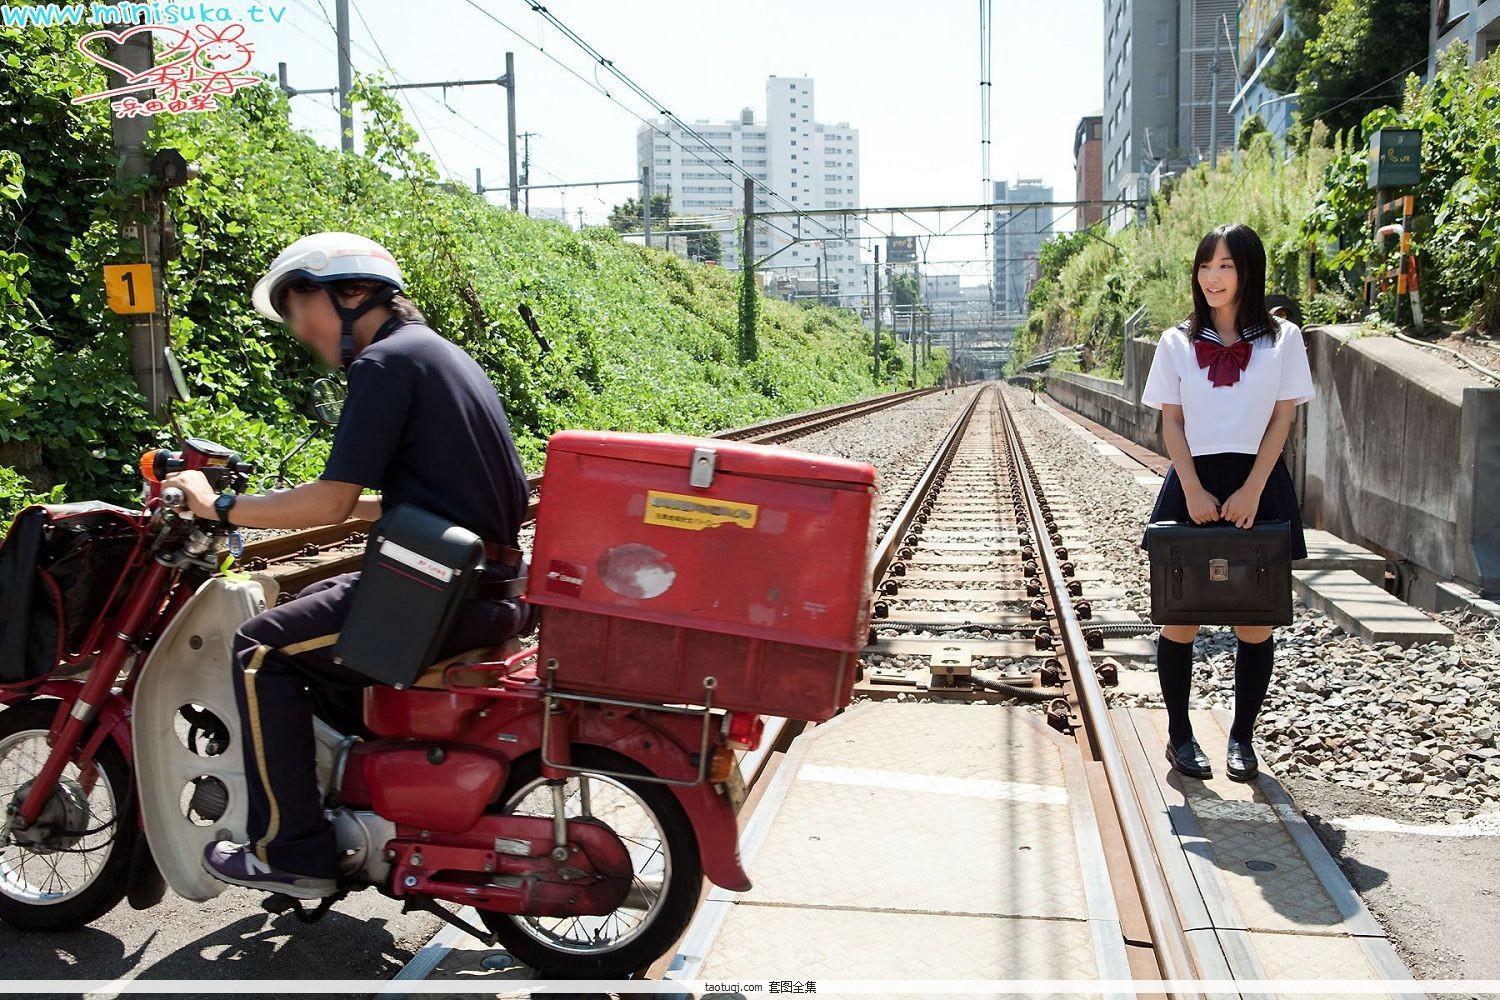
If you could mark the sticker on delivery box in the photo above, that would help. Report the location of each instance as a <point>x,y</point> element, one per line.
<point>565,577</point>
<point>679,510</point>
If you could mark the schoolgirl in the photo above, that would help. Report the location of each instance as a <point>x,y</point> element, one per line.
<point>1227,380</point>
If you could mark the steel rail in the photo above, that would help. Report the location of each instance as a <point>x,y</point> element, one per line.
<point>890,541</point>
<point>783,428</point>
<point>1167,935</point>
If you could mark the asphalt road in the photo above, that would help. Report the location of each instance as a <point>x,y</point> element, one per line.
<point>230,937</point>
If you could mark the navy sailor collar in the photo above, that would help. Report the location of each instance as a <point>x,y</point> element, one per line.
<point>1250,333</point>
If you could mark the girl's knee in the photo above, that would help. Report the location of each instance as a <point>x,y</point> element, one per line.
<point>1253,633</point>
<point>1180,633</point>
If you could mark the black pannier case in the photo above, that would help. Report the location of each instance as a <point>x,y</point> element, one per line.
<point>60,572</point>
<point>418,571</point>
<point>1220,574</point>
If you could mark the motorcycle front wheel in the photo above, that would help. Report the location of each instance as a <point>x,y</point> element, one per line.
<point>664,888</point>
<point>72,865</point>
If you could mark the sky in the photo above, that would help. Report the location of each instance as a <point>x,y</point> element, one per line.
<point>906,75</point>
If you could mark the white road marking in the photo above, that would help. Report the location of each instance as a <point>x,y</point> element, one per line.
<point>979,788</point>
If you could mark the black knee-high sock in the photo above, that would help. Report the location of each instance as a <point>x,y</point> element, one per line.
<point>1252,678</point>
<point>1174,668</point>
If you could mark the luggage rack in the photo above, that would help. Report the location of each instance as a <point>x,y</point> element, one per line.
<point>551,695</point>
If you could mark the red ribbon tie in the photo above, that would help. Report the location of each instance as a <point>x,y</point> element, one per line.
<point>1224,364</point>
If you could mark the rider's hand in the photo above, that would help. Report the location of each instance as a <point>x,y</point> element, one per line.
<point>1242,505</point>
<point>1202,505</point>
<point>194,486</point>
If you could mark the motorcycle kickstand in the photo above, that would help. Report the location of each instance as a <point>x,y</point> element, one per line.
<point>279,903</point>
<point>426,905</point>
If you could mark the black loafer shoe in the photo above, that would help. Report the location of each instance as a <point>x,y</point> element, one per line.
<point>1240,761</point>
<point>1190,760</point>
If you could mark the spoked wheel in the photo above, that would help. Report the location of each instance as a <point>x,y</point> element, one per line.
<point>664,889</point>
<point>71,866</point>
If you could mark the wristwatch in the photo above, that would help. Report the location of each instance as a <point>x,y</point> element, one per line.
<point>222,505</point>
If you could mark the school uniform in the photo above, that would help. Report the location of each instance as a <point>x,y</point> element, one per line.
<point>1227,396</point>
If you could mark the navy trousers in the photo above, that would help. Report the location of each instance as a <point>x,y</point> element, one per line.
<point>284,674</point>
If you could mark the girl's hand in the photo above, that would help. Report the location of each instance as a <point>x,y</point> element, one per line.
<point>1242,505</point>
<point>1202,505</point>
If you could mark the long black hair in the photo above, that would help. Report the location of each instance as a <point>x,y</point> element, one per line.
<point>1252,319</point>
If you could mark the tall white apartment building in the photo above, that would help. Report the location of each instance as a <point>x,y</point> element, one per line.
<point>810,164</point>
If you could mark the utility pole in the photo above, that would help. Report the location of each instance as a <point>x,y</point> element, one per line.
<point>819,264</point>
<point>526,169</point>
<point>580,219</point>
<point>748,240</point>
<point>876,375</point>
<point>1213,110</point>
<point>510,125</point>
<point>141,228</point>
<point>346,77</point>
<point>911,335</point>
<point>346,109</point>
<point>646,202</point>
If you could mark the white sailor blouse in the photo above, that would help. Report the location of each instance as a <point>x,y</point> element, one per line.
<point>1227,393</point>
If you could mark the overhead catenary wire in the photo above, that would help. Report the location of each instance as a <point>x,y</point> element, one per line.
<point>639,91</point>
<point>657,107</point>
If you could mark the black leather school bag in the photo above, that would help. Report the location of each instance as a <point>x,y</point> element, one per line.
<point>1220,574</point>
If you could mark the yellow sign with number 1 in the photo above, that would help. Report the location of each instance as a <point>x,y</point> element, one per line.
<point>130,288</point>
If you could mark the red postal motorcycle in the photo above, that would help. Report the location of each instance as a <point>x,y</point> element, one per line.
<point>578,828</point>
<point>574,794</point>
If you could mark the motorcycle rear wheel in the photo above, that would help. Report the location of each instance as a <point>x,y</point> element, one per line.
<point>540,943</point>
<point>63,878</point>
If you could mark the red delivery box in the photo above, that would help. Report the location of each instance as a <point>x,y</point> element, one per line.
<point>661,560</point>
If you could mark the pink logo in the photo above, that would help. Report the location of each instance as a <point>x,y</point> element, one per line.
<point>190,74</point>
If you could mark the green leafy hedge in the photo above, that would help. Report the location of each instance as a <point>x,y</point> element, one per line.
<point>640,340</point>
<point>1310,210</point>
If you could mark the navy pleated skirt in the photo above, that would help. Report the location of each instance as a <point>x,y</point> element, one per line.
<point>1223,473</point>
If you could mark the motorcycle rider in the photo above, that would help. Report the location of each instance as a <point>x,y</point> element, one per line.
<point>422,424</point>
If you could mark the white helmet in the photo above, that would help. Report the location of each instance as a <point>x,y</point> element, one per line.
<point>326,258</point>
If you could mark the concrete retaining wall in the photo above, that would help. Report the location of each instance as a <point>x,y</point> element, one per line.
<point>1399,451</point>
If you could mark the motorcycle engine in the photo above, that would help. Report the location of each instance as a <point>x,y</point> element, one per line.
<point>361,837</point>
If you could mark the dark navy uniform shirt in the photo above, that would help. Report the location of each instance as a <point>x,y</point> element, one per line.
<point>422,423</point>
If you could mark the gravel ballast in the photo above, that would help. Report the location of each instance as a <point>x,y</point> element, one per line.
<point>1414,728</point>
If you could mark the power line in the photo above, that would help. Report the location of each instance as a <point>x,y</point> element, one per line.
<point>657,106</point>
<point>409,106</point>
<point>640,91</point>
<point>484,137</point>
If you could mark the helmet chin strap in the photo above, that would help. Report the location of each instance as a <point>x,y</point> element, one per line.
<point>348,317</point>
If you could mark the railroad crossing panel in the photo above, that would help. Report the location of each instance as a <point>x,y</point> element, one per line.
<point>919,841</point>
<point>1258,893</point>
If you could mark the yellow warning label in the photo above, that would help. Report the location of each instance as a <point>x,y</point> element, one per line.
<point>678,510</point>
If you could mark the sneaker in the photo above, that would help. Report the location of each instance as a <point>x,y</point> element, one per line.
<point>237,864</point>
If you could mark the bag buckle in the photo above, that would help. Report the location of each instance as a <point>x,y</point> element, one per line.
<point>1218,569</point>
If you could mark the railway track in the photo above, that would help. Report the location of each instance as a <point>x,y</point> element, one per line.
<point>978,568</point>
<point>961,831</point>
<point>299,558</point>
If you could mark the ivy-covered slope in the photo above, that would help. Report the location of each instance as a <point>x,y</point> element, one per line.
<point>639,340</point>
<point>1311,210</point>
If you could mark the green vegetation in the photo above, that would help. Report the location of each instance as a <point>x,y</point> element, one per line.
<point>640,340</point>
<point>628,217</point>
<point>1309,204</point>
<point>1346,56</point>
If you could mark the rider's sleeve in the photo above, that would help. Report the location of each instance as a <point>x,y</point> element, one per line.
<point>371,424</point>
